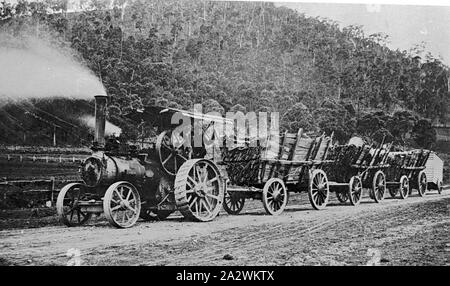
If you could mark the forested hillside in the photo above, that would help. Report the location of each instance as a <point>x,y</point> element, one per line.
<point>240,56</point>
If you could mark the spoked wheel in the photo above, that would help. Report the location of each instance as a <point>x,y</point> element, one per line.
<point>378,186</point>
<point>355,190</point>
<point>122,204</point>
<point>318,190</point>
<point>233,202</point>
<point>172,152</point>
<point>422,183</point>
<point>393,192</point>
<point>342,196</point>
<point>67,207</point>
<point>274,196</point>
<point>199,190</point>
<point>404,187</point>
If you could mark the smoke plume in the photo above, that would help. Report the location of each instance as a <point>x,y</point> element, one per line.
<point>31,67</point>
<point>110,129</point>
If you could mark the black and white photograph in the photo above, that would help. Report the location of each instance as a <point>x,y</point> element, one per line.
<point>224,134</point>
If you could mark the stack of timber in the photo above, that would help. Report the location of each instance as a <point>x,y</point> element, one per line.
<point>402,162</point>
<point>348,160</point>
<point>242,164</point>
<point>283,156</point>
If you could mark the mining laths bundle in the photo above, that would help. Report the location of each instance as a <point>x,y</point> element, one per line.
<point>344,157</point>
<point>243,164</point>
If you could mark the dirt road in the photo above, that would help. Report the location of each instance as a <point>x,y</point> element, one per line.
<point>415,231</point>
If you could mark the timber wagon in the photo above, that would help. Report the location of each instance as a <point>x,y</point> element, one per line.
<point>355,168</point>
<point>407,172</point>
<point>269,171</point>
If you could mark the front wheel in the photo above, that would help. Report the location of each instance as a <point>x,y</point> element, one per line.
<point>122,204</point>
<point>319,190</point>
<point>274,196</point>
<point>378,186</point>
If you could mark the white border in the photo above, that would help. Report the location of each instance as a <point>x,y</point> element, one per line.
<point>367,2</point>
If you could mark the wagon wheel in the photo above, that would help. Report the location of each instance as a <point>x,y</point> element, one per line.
<point>171,154</point>
<point>355,190</point>
<point>404,187</point>
<point>274,196</point>
<point>439,187</point>
<point>233,202</point>
<point>199,190</point>
<point>342,196</point>
<point>122,204</point>
<point>67,207</point>
<point>393,192</point>
<point>422,183</point>
<point>318,190</point>
<point>378,186</point>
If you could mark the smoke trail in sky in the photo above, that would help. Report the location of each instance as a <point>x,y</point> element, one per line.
<point>31,67</point>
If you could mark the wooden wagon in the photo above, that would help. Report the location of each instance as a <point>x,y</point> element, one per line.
<point>355,168</point>
<point>283,163</point>
<point>406,172</point>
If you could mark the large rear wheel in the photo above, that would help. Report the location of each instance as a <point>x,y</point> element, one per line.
<point>199,190</point>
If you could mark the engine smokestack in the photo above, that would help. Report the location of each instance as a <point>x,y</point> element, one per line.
<point>100,120</point>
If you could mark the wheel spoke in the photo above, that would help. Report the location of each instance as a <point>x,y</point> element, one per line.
<point>192,202</point>
<point>212,196</point>
<point>192,180</point>
<point>212,180</point>
<point>116,208</point>
<point>167,159</point>
<point>203,202</point>
<point>182,157</point>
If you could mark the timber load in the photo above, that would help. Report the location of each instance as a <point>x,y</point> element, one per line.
<point>348,159</point>
<point>281,156</point>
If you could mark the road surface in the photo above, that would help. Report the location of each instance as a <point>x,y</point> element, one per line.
<point>415,231</point>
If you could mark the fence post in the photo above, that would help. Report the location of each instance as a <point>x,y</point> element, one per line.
<point>52,190</point>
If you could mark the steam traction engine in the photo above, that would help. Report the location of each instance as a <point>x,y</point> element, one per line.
<point>125,183</point>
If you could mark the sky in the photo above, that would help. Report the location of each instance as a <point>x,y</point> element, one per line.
<point>406,25</point>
